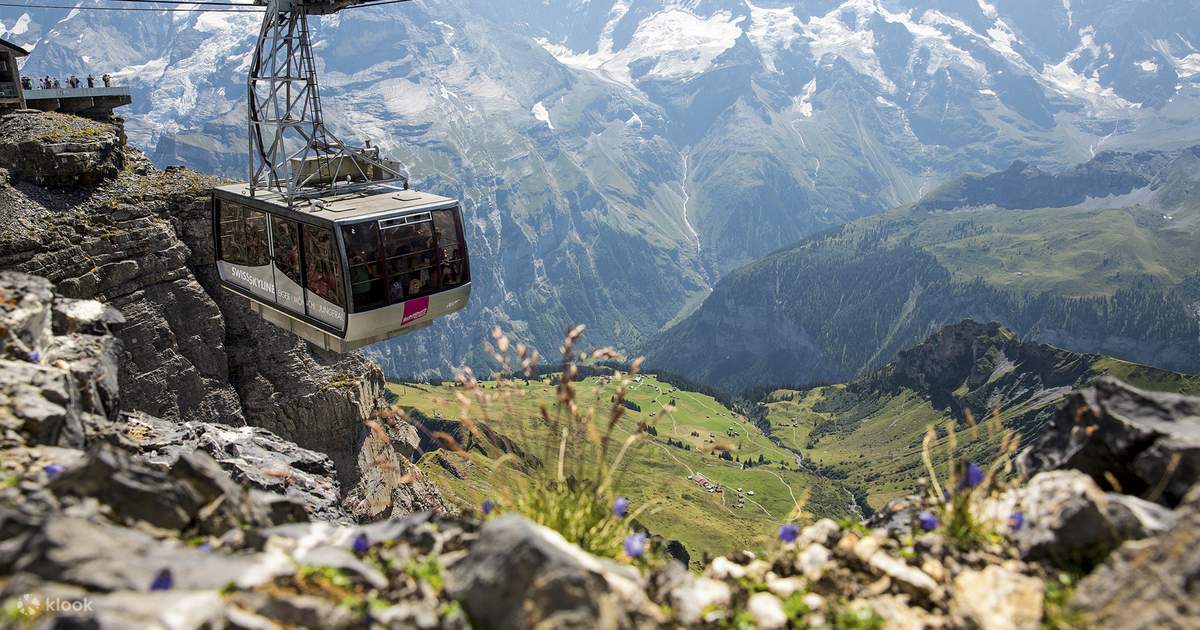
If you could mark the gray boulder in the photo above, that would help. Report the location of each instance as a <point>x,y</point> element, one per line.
<point>1068,519</point>
<point>519,575</point>
<point>1152,583</point>
<point>195,496</point>
<point>104,558</point>
<point>1148,442</point>
<point>251,455</point>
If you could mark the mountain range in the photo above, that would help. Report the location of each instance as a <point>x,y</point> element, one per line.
<point>1100,257</point>
<point>617,158</point>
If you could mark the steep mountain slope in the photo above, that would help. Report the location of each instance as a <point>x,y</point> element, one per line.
<point>869,431</point>
<point>1113,270</point>
<point>616,157</point>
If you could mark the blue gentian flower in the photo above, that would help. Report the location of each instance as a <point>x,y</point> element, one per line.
<point>488,506</point>
<point>53,469</point>
<point>361,544</point>
<point>1016,520</point>
<point>928,521</point>
<point>789,532</point>
<point>635,545</point>
<point>34,356</point>
<point>620,506</point>
<point>971,478</point>
<point>205,547</point>
<point>163,581</point>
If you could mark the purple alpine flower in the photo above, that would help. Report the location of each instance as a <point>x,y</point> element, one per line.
<point>488,506</point>
<point>53,469</point>
<point>620,506</point>
<point>789,532</point>
<point>206,547</point>
<point>928,521</point>
<point>361,544</point>
<point>1016,520</point>
<point>34,356</point>
<point>163,581</point>
<point>971,478</point>
<point>635,545</point>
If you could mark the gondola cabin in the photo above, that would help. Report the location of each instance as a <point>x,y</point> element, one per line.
<point>343,271</point>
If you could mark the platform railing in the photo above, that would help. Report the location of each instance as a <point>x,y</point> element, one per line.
<point>82,92</point>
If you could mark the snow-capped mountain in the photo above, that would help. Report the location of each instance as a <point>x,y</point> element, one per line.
<point>617,156</point>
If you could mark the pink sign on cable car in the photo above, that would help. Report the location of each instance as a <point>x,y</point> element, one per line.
<point>415,309</point>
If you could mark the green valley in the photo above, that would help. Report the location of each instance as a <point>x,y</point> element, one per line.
<point>683,443</point>
<point>869,431</point>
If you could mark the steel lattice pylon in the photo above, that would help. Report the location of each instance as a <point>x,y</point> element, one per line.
<point>291,151</point>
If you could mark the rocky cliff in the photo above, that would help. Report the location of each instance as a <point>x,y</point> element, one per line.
<point>93,217</point>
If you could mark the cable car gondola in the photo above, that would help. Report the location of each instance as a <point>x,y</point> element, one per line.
<point>347,270</point>
<point>326,240</point>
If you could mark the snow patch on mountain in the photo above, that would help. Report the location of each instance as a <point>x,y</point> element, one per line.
<point>681,45</point>
<point>541,114</point>
<point>772,30</point>
<point>20,27</point>
<point>803,103</point>
<point>829,35</point>
<point>1064,78</point>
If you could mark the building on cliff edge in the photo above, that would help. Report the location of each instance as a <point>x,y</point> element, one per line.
<point>11,94</point>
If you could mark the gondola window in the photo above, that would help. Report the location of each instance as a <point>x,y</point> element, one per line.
<point>452,254</point>
<point>366,267</point>
<point>285,239</point>
<point>409,251</point>
<point>323,276</point>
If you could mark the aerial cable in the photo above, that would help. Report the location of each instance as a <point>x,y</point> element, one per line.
<point>248,9</point>
<point>370,4</point>
<point>204,2</point>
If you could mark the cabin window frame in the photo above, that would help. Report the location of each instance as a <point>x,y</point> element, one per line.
<point>415,218</point>
<point>378,261</point>
<point>455,213</point>
<point>302,222</point>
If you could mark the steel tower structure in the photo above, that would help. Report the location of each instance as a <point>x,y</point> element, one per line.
<point>291,152</point>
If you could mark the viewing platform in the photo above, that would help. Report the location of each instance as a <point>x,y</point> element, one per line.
<point>92,102</point>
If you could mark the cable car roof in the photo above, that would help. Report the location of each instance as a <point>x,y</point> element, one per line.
<point>376,202</point>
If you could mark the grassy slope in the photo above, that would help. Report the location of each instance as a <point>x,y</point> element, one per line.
<point>1068,251</point>
<point>653,471</point>
<point>882,451</point>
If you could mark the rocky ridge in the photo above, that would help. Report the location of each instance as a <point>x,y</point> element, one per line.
<point>120,520</point>
<point>95,218</point>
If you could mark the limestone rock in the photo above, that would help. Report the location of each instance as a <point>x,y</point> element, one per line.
<point>194,496</point>
<point>767,611</point>
<point>1069,519</point>
<point>57,150</point>
<point>251,455</point>
<point>1113,429</point>
<point>1151,583</point>
<point>521,575</point>
<point>998,599</point>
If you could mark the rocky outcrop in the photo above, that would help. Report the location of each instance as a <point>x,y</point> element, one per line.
<point>57,150</point>
<point>1126,439</point>
<point>1152,583</point>
<point>140,240</point>
<point>521,575</point>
